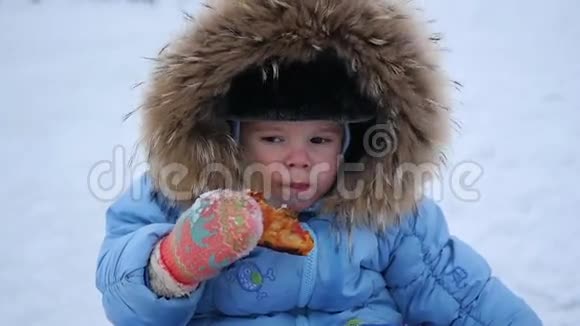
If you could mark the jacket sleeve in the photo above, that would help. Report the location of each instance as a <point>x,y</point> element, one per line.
<point>134,224</point>
<point>437,279</point>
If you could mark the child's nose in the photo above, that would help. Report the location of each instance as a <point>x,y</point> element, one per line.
<point>298,159</point>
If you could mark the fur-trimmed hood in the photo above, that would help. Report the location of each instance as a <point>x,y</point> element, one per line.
<point>382,43</point>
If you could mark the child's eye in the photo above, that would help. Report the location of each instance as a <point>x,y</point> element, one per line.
<point>320,140</point>
<point>272,139</point>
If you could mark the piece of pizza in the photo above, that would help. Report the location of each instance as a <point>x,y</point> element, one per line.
<point>282,229</point>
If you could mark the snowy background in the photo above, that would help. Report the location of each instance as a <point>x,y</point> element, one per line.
<point>66,74</point>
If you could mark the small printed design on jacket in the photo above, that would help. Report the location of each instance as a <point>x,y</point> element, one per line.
<point>358,322</point>
<point>251,278</point>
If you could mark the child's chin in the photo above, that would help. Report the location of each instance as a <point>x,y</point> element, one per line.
<point>299,206</point>
<point>294,200</point>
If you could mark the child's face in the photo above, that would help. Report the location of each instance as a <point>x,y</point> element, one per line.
<point>297,161</point>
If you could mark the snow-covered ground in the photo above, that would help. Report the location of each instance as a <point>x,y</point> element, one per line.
<point>66,74</point>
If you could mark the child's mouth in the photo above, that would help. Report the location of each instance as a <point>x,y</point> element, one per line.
<point>299,186</point>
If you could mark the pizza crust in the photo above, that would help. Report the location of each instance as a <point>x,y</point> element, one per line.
<point>282,229</point>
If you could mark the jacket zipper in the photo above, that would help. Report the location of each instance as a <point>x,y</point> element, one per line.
<point>308,278</point>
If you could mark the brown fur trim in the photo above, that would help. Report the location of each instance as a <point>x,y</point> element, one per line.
<point>382,42</point>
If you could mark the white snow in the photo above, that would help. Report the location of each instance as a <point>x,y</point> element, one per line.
<point>66,74</point>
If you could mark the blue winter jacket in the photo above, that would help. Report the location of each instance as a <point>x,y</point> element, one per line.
<point>415,274</point>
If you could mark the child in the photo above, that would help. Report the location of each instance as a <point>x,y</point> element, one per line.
<point>288,98</point>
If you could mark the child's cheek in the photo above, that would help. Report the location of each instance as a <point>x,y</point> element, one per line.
<point>265,155</point>
<point>325,178</point>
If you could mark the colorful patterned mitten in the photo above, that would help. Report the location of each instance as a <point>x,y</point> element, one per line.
<point>221,227</point>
